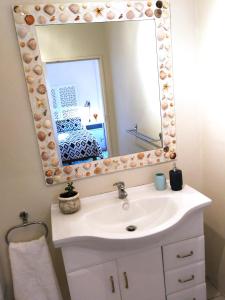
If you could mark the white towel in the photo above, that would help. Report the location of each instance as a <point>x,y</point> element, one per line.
<point>32,271</point>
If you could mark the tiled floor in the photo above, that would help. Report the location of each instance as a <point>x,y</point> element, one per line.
<point>212,293</point>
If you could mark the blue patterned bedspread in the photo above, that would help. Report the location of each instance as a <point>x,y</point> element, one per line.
<point>78,145</point>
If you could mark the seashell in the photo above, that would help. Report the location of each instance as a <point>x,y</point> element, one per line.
<point>29,19</point>
<point>166,140</point>
<point>62,7</point>
<point>17,9</point>
<point>27,58</point>
<point>139,6</point>
<point>47,124</point>
<point>149,3</point>
<point>165,4</point>
<point>158,152</point>
<point>98,171</point>
<point>87,166</point>
<point>57,171</point>
<point>26,9</point>
<point>129,4</point>
<point>140,155</point>
<point>53,18</point>
<point>150,161</point>
<point>107,162</point>
<point>108,5</point>
<point>32,44</point>
<point>48,173</point>
<point>170,114</point>
<point>68,170</point>
<point>130,15</point>
<point>164,105</point>
<point>173,155</point>
<point>41,89</point>
<point>165,124</point>
<point>19,19</point>
<point>133,164</point>
<point>159,4</point>
<point>22,32</point>
<point>161,36</point>
<point>172,132</point>
<point>41,136</point>
<point>30,79</point>
<point>158,13</point>
<point>42,20</point>
<point>49,180</point>
<point>168,65</point>
<point>84,6</point>
<point>88,17</point>
<point>166,149</point>
<point>163,75</point>
<point>38,70</point>
<point>88,174</point>
<point>110,15</point>
<point>57,179</point>
<point>173,123</point>
<point>54,162</point>
<point>49,9</point>
<point>149,12</point>
<point>75,8</point>
<point>37,7</point>
<point>79,175</point>
<point>124,159</point>
<point>22,44</point>
<point>63,18</point>
<point>51,145</point>
<point>38,126</point>
<point>77,18</point>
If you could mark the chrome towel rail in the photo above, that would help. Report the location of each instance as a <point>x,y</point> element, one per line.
<point>24,217</point>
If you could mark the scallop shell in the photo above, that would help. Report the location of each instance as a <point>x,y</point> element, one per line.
<point>158,13</point>
<point>30,79</point>
<point>47,124</point>
<point>22,32</point>
<point>32,44</point>
<point>87,166</point>
<point>107,162</point>
<point>133,164</point>
<point>19,19</point>
<point>27,58</point>
<point>75,8</point>
<point>139,6</point>
<point>140,155</point>
<point>37,117</point>
<point>124,159</point>
<point>68,170</point>
<point>110,15</point>
<point>149,12</point>
<point>44,156</point>
<point>63,18</point>
<point>51,145</point>
<point>49,9</point>
<point>41,136</point>
<point>88,17</point>
<point>149,3</point>
<point>54,162</point>
<point>158,152</point>
<point>98,171</point>
<point>130,15</point>
<point>29,19</point>
<point>163,75</point>
<point>41,89</point>
<point>38,70</point>
<point>42,20</point>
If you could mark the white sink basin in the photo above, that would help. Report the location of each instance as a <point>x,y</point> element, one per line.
<point>103,218</point>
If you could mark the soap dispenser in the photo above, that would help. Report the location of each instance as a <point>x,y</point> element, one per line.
<point>176,180</point>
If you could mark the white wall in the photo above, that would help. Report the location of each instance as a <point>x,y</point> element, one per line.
<point>21,183</point>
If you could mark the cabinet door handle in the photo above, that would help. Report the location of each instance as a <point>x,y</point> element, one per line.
<point>112,284</point>
<point>186,280</point>
<point>185,256</point>
<point>126,280</point>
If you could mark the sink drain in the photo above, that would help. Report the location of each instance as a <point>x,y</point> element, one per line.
<point>131,228</point>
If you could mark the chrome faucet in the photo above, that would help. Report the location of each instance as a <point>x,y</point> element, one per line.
<point>121,189</point>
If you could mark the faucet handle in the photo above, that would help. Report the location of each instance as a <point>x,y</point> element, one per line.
<point>119,184</point>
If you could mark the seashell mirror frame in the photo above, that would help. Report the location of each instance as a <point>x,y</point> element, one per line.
<point>28,16</point>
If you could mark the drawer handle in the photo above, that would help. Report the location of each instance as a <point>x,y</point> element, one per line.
<point>126,280</point>
<point>186,280</point>
<point>112,284</point>
<point>185,256</point>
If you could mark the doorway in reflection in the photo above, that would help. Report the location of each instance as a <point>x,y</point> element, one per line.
<point>77,105</point>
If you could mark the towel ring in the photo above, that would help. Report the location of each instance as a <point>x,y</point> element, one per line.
<point>24,217</point>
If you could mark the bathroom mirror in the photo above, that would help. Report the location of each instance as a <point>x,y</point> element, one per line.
<point>99,77</point>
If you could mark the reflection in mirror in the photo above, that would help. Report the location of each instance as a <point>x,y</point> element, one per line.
<point>103,89</point>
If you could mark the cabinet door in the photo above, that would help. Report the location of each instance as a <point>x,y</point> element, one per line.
<point>141,276</point>
<point>95,283</point>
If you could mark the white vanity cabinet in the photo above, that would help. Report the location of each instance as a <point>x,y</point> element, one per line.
<point>139,276</point>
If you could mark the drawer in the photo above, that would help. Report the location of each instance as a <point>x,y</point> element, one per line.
<point>184,278</point>
<point>196,293</point>
<point>183,253</point>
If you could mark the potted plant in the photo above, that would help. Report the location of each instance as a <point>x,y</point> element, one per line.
<point>69,201</point>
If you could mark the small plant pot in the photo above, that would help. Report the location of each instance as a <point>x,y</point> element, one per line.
<point>69,205</point>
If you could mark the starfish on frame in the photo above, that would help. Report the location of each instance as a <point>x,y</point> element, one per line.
<point>98,11</point>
